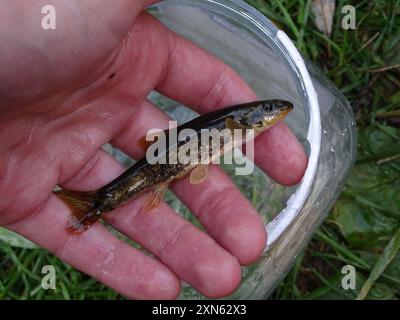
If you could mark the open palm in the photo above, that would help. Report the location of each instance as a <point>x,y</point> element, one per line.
<point>66,92</point>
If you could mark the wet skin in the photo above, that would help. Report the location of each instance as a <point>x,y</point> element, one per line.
<point>59,105</point>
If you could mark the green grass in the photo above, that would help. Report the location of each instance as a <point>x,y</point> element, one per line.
<point>362,229</point>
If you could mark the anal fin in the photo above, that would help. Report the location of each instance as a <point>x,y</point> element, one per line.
<point>199,174</point>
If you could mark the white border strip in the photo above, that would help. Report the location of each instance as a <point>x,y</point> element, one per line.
<point>295,203</point>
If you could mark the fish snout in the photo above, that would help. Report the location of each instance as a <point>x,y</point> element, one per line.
<point>283,106</point>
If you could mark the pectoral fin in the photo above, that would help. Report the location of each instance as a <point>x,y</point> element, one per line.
<point>155,197</point>
<point>198,174</point>
<point>232,124</point>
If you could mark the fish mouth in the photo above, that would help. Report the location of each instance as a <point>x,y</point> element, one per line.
<point>285,108</point>
<point>286,111</point>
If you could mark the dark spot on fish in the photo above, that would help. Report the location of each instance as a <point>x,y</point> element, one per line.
<point>112,75</point>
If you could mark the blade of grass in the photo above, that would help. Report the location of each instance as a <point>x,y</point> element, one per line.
<point>388,114</point>
<point>394,281</point>
<point>288,19</point>
<point>385,258</point>
<point>387,152</point>
<point>300,39</point>
<point>317,293</point>
<point>331,286</point>
<point>340,248</point>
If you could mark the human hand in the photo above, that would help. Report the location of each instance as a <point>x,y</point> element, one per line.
<point>66,92</point>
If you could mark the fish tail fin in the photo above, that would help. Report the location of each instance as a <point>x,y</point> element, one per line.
<point>84,211</point>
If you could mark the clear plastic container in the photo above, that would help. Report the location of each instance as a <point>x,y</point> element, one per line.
<point>323,121</point>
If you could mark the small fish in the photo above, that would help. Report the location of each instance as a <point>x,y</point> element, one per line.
<point>87,207</point>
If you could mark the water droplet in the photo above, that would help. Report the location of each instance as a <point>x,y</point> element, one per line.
<point>325,133</point>
<point>332,148</point>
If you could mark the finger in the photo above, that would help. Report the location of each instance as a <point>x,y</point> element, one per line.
<point>199,80</point>
<point>195,257</point>
<point>192,255</point>
<point>225,213</point>
<point>280,154</point>
<point>99,254</point>
<point>222,209</point>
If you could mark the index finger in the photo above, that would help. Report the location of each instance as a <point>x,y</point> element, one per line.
<point>201,81</point>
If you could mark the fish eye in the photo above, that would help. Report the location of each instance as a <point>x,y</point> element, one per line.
<point>267,107</point>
